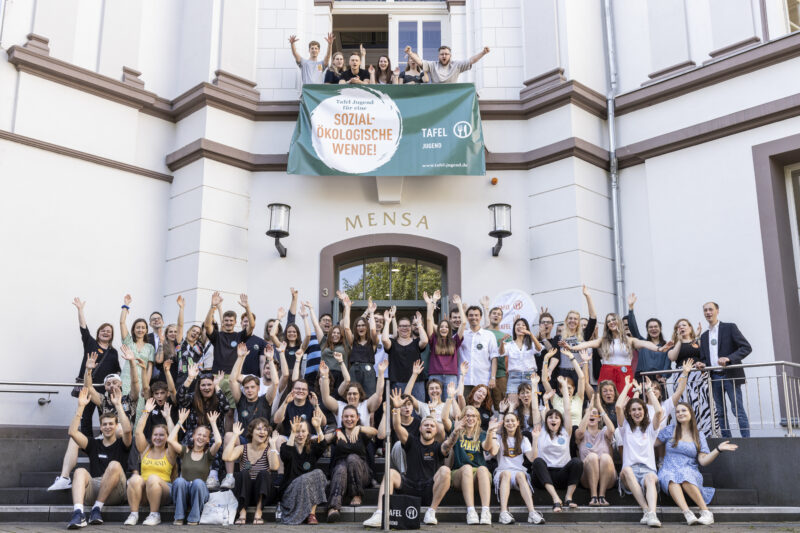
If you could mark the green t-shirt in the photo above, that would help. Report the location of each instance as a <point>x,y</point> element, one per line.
<point>191,469</point>
<point>501,360</point>
<point>469,452</point>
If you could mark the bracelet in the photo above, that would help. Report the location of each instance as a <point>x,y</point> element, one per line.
<point>125,307</point>
<point>718,450</point>
<point>273,451</point>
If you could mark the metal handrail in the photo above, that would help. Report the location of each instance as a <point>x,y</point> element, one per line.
<point>42,400</point>
<point>40,384</point>
<point>728,367</point>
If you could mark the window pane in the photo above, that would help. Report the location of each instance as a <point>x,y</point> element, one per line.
<point>351,280</point>
<point>431,40</point>
<point>376,275</point>
<point>406,36</point>
<point>430,278</point>
<point>404,279</point>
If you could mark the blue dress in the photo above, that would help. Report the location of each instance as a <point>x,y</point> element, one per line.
<point>680,463</point>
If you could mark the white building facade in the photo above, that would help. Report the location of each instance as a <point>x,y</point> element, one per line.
<point>141,142</point>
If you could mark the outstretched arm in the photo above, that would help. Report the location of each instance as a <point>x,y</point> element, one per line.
<point>415,57</point>
<point>589,303</point>
<point>477,57</point>
<point>329,39</point>
<point>181,304</point>
<point>74,428</point>
<point>79,305</point>
<point>297,57</point>
<point>208,325</point>
<point>123,317</point>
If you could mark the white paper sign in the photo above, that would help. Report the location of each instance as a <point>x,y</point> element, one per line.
<point>516,304</point>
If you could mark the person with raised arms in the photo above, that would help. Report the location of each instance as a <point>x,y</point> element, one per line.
<point>303,486</point>
<point>521,352</point>
<point>469,465</point>
<point>136,340</point>
<point>354,394</point>
<point>104,481</point>
<point>444,340</point>
<point>312,70</point>
<point>445,70</point>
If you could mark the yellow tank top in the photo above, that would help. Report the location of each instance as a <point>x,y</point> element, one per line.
<point>160,467</point>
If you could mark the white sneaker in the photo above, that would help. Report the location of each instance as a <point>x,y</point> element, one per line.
<point>430,516</point>
<point>645,518</point>
<point>61,483</point>
<point>472,517</point>
<point>486,517</point>
<point>229,482</point>
<point>535,517</point>
<point>691,519</point>
<point>132,519</point>
<point>506,518</point>
<point>212,483</point>
<point>706,518</point>
<point>376,520</point>
<point>652,520</point>
<point>153,519</point>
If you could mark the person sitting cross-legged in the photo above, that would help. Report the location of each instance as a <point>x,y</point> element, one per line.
<point>104,482</point>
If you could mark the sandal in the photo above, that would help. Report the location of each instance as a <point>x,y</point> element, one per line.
<point>557,507</point>
<point>594,501</point>
<point>258,521</point>
<point>602,501</point>
<point>571,504</point>
<point>356,501</point>
<point>240,521</point>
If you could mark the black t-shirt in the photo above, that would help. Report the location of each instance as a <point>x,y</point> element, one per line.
<point>295,463</point>
<point>363,353</point>
<point>252,361</point>
<point>412,427</point>
<point>342,448</point>
<point>157,416</point>
<point>248,411</point>
<point>100,455</point>
<point>332,77</point>
<point>305,411</point>
<point>402,359</point>
<point>423,460</point>
<point>107,360</point>
<point>363,75</point>
<point>486,415</point>
<point>225,349</point>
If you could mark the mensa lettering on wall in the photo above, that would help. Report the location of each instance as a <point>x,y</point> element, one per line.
<point>385,218</point>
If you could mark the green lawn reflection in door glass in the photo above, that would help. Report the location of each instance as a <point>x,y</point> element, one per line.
<point>376,277</point>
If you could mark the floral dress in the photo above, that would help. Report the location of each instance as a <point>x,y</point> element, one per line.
<point>680,463</point>
<point>145,355</point>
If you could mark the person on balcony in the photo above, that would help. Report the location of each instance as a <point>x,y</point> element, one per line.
<point>445,70</point>
<point>312,69</point>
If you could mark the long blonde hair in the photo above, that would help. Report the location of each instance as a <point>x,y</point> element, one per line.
<point>692,428</point>
<point>332,66</point>
<point>676,336</point>
<point>565,333</point>
<point>608,337</point>
<point>476,431</point>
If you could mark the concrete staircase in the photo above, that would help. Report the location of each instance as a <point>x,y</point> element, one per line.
<point>32,459</point>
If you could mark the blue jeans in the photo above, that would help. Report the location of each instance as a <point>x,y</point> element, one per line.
<point>195,492</point>
<point>417,392</point>
<point>446,379</point>
<point>732,389</point>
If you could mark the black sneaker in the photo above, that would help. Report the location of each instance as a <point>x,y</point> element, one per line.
<point>95,517</point>
<point>78,520</point>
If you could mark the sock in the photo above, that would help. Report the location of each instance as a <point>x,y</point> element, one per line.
<point>485,508</point>
<point>78,507</point>
<point>98,504</point>
<point>470,509</point>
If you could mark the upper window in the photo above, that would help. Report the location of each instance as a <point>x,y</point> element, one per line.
<point>389,278</point>
<point>793,9</point>
<point>424,36</point>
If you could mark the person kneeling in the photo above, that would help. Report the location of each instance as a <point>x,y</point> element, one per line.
<point>104,482</point>
<point>685,449</point>
<point>157,466</point>
<point>195,465</point>
<point>426,476</point>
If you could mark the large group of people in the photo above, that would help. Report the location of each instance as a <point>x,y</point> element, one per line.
<point>471,407</point>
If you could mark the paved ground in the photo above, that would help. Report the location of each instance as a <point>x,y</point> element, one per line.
<point>444,528</point>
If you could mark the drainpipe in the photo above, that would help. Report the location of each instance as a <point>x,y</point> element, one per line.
<point>611,70</point>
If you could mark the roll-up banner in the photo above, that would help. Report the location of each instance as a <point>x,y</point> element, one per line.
<point>388,130</point>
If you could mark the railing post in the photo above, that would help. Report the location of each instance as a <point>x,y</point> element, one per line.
<point>387,452</point>
<point>787,402</point>
<point>714,430</point>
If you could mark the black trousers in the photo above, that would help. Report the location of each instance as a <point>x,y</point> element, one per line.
<point>248,490</point>
<point>560,478</point>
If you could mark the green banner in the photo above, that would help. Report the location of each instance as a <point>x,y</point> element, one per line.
<point>388,130</point>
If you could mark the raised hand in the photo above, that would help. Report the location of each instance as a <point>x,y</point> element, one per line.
<point>371,69</point>
<point>418,367</point>
<point>281,313</point>
<point>494,425</point>
<point>397,398</point>
<point>323,369</point>
<point>181,302</point>
<point>396,71</point>
<point>667,347</point>
<point>238,429</point>
<point>457,300</point>
<point>339,358</point>
<point>330,38</point>
<point>504,405</point>
<point>628,380</point>
<point>312,399</point>
<point>485,301</point>
<point>296,423</point>
<point>116,397</point>
<point>383,365</point>
<point>542,310</point>
<point>536,431</point>
<point>78,303</point>
<point>535,382</point>
<point>548,395</point>
<point>193,370</point>
<point>293,39</point>
<point>563,344</point>
<point>426,297</point>
<point>464,368</point>
<point>127,353</point>
<point>91,361</point>
<point>393,310</point>
<point>585,290</point>
<point>83,397</point>
<point>293,292</point>
<point>387,316</point>
<point>362,49</point>
<point>699,330</point>
<point>561,380</point>
<point>727,446</point>
<point>127,300</point>
<point>585,355</point>
<point>218,377</point>
<point>241,350</point>
<point>150,404</point>
<point>631,300</point>
<point>167,409</point>
<point>243,300</point>
<point>346,300</point>
<point>212,417</point>
<point>316,420</point>
<point>216,299</point>
<point>486,50</point>
<point>451,389</point>
<point>407,49</point>
<point>437,295</point>
<point>183,416</point>
<point>418,319</point>
<point>549,355</point>
<point>303,312</point>
<point>687,366</point>
<point>371,306</point>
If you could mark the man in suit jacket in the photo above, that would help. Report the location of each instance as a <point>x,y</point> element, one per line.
<point>722,344</point>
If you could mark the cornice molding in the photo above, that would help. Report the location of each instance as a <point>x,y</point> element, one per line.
<point>571,147</point>
<point>546,99</point>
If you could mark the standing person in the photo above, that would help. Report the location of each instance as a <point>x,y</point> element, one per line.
<point>354,74</point>
<point>594,446</point>
<point>155,481</point>
<point>478,349</point>
<point>364,340</point>
<point>315,338</point>
<point>303,486</point>
<point>255,346</point>
<point>426,477</point>
<point>312,70</point>
<point>404,351</point>
<point>444,342</point>
<point>687,348</point>
<point>649,360</point>
<point>498,381</point>
<point>104,482</point>
<point>194,349</point>
<point>510,448</point>
<point>446,70</point>
<point>334,73</point>
<point>724,345</point>
<point>354,393</point>
<point>573,334</point>
<point>638,436</point>
<point>469,464</point>
<point>384,75</point>
<point>413,74</point>
<point>685,449</point>
<point>135,339</point>
<point>546,323</point>
<point>521,354</point>
<point>189,490</point>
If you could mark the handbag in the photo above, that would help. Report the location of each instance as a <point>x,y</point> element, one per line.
<point>220,509</point>
<point>403,511</point>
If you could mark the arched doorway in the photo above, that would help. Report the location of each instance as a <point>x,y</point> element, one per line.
<point>392,268</point>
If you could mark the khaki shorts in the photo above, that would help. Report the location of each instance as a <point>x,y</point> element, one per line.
<point>116,497</point>
<point>456,473</point>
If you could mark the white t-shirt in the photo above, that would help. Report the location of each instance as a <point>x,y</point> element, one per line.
<point>512,462</point>
<point>380,355</point>
<point>555,451</point>
<point>669,409</point>
<point>446,74</point>
<point>520,360</point>
<point>638,446</point>
<point>618,355</point>
<point>363,413</point>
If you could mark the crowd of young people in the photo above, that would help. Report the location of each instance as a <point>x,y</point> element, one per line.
<point>471,405</point>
